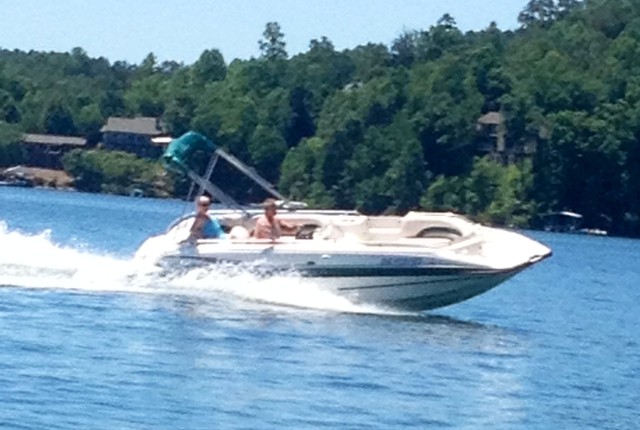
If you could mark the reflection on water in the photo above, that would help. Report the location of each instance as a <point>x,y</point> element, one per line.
<point>401,356</point>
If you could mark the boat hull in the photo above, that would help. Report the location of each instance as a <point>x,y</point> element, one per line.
<point>417,293</point>
<point>405,288</point>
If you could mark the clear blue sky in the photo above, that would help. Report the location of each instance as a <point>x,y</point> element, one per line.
<point>181,29</point>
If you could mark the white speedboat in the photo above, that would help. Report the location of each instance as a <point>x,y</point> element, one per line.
<point>419,261</point>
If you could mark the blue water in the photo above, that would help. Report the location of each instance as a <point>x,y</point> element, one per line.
<point>86,341</point>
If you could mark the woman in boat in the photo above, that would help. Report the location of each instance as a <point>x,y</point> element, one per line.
<point>204,227</point>
<point>270,227</point>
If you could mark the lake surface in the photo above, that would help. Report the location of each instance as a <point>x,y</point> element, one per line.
<point>86,341</point>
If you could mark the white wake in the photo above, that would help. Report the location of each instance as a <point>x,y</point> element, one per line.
<point>34,261</point>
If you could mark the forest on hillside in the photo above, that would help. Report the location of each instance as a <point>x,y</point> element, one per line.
<point>382,128</point>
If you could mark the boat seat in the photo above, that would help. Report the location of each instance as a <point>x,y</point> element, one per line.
<point>181,229</point>
<point>349,228</point>
<point>385,234</point>
<point>238,232</point>
<point>435,229</point>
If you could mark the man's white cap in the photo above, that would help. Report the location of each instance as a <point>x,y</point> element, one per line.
<point>204,200</point>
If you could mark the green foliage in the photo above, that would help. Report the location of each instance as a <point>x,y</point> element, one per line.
<point>145,96</point>
<point>492,192</point>
<point>272,45</point>
<point>227,116</point>
<point>581,143</point>
<point>210,67</point>
<point>59,120</point>
<point>268,149</point>
<point>89,120</point>
<point>300,176</point>
<point>387,170</point>
<point>11,152</point>
<point>9,111</point>
<point>115,172</point>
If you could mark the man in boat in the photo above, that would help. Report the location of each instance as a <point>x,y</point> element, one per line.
<point>204,227</point>
<point>270,227</point>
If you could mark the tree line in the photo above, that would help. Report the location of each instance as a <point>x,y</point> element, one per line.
<point>381,128</point>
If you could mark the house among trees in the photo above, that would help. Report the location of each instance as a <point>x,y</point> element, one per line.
<point>143,136</point>
<point>46,150</point>
<point>493,140</point>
